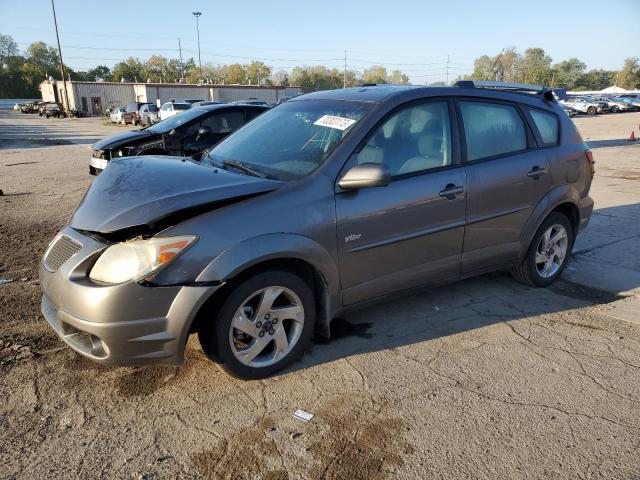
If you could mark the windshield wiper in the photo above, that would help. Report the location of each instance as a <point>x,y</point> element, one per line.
<point>244,168</point>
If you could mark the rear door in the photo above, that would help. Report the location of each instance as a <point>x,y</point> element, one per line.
<point>409,232</point>
<point>507,176</point>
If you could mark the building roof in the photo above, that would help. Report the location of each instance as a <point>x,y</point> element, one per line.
<point>180,85</point>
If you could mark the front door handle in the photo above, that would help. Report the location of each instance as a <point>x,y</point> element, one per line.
<point>450,191</point>
<point>536,172</point>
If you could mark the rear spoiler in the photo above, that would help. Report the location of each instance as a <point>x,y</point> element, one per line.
<point>544,92</point>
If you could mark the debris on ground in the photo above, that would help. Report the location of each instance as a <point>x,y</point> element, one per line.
<point>302,415</point>
<point>4,281</point>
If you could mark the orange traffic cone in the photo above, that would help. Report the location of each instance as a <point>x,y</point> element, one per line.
<point>632,137</point>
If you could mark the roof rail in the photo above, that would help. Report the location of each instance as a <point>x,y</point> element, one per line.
<point>513,87</point>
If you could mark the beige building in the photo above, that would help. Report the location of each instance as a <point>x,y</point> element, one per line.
<point>93,98</point>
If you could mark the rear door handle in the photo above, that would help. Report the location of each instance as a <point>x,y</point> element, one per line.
<point>536,172</point>
<point>450,191</point>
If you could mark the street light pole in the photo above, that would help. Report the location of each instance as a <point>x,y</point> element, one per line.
<point>65,101</point>
<point>197,15</point>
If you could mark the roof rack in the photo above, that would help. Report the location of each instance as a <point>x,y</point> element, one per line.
<point>512,87</point>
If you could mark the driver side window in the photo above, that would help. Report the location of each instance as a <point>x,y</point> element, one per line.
<point>415,139</point>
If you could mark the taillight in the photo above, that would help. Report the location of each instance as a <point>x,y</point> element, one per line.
<point>592,163</point>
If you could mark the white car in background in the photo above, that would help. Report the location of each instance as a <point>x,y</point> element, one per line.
<point>583,105</point>
<point>169,109</point>
<point>116,115</point>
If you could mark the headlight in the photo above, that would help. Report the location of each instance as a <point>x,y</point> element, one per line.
<point>137,259</point>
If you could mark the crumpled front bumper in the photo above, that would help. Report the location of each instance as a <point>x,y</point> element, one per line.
<point>126,324</point>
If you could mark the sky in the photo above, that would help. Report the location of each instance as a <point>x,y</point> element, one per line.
<point>414,36</point>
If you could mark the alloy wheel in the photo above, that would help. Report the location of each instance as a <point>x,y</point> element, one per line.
<point>551,250</point>
<point>266,326</point>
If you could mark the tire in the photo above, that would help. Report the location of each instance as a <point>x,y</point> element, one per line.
<point>528,271</point>
<point>592,111</point>
<point>225,344</point>
<point>615,109</point>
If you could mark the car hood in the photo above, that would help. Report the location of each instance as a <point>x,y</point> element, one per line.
<point>120,139</point>
<point>150,191</point>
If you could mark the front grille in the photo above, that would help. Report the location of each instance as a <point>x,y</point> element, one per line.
<point>62,250</point>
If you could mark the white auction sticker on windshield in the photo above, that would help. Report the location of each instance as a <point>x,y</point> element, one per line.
<point>341,123</point>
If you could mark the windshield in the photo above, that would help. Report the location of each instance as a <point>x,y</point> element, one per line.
<point>181,106</point>
<point>291,140</point>
<point>175,121</point>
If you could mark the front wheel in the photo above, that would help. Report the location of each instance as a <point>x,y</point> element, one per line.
<point>548,254</point>
<point>592,111</point>
<point>264,324</point>
<point>615,109</point>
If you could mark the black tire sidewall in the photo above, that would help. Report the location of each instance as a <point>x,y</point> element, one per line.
<point>536,278</point>
<point>214,336</point>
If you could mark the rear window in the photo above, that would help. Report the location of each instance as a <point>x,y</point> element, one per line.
<point>547,124</point>
<point>181,106</point>
<point>492,129</point>
<point>132,107</point>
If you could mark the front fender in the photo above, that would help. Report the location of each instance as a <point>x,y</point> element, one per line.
<point>275,246</point>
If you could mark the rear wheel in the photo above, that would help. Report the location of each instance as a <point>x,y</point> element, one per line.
<point>262,326</point>
<point>548,253</point>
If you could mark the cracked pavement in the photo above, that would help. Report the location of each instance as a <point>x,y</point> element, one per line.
<point>484,378</point>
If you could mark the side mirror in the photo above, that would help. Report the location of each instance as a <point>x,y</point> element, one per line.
<point>365,175</point>
<point>204,131</point>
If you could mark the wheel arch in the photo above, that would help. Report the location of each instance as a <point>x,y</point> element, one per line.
<point>564,200</point>
<point>290,252</point>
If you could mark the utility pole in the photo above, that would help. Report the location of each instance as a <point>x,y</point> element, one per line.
<point>344,72</point>
<point>197,15</point>
<point>447,69</point>
<point>181,67</point>
<point>65,100</point>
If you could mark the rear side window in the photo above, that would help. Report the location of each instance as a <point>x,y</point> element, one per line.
<point>547,124</point>
<point>492,129</point>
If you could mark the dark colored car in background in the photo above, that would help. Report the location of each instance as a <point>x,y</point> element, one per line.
<point>186,134</point>
<point>323,204</point>
<point>131,112</point>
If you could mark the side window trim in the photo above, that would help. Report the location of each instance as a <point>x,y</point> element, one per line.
<point>456,158</point>
<point>532,143</point>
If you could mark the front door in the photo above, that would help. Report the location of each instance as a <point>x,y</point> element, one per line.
<point>506,178</point>
<point>409,232</point>
<point>96,105</point>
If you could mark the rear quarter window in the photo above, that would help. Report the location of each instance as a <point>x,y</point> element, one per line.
<point>547,125</point>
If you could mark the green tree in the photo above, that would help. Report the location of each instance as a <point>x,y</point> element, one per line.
<point>258,73</point>
<point>131,69</point>
<point>483,68</point>
<point>8,48</point>
<point>235,73</point>
<point>280,78</point>
<point>375,74</point>
<point>41,62</point>
<point>536,67</point>
<point>565,74</point>
<point>629,76</point>
<point>595,80</point>
<point>398,78</point>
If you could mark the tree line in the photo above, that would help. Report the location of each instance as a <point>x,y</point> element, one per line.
<point>22,72</point>
<point>536,67</point>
